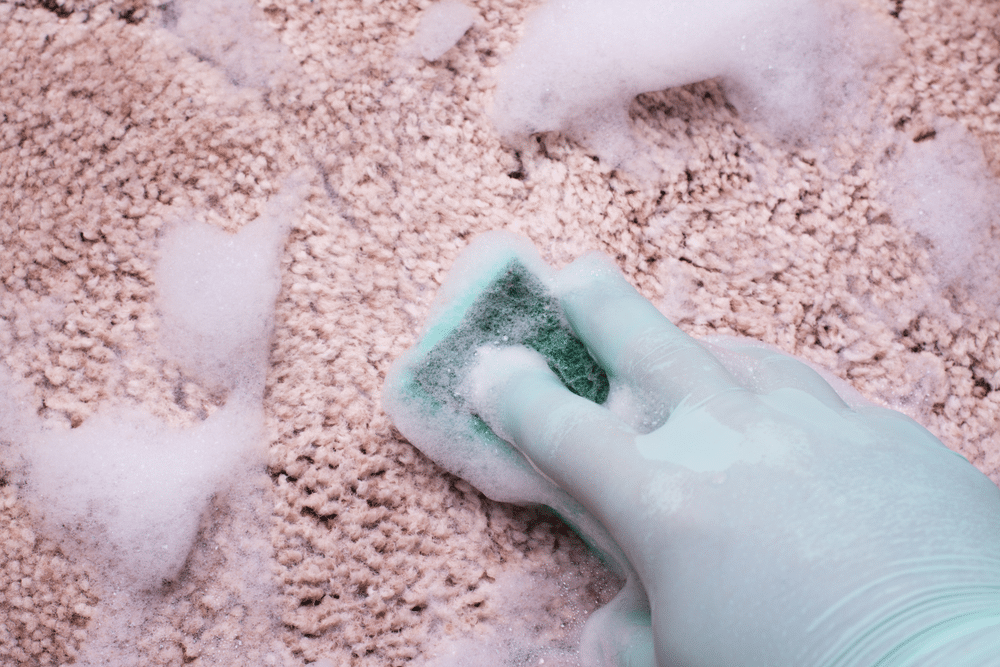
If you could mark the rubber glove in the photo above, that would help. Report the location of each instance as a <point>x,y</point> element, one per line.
<point>769,521</point>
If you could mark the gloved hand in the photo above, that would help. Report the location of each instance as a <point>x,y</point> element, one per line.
<point>770,522</point>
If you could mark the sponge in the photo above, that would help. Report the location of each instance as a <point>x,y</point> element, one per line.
<point>499,292</point>
<point>513,309</point>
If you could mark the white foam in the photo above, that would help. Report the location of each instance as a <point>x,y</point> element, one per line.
<point>521,636</point>
<point>126,493</point>
<point>942,189</point>
<point>216,294</point>
<point>788,64</point>
<point>131,490</point>
<point>233,36</point>
<point>441,26</point>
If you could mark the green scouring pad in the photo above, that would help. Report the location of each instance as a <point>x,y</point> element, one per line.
<point>513,309</point>
<point>498,293</point>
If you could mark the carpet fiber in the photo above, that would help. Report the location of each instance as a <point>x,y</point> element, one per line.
<point>121,117</point>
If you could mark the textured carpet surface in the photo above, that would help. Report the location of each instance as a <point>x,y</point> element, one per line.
<point>119,117</point>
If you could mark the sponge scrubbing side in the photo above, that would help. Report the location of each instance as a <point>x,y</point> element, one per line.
<point>499,292</point>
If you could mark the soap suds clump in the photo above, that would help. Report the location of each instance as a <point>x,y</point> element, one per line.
<point>441,26</point>
<point>216,294</point>
<point>130,494</point>
<point>524,638</point>
<point>231,34</point>
<point>130,491</point>
<point>792,66</point>
<point>943,190</point>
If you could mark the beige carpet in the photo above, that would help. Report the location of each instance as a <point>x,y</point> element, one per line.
<point>113,126</point>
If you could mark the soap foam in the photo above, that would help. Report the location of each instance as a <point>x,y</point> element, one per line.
<point>441,26</point>
<point>792,66</point>
<point>231,35</point>
<point>216,294</point>
<point>130,489</point>
<point>523,635</point>
<point>943,190</point>
<point>138,499</point>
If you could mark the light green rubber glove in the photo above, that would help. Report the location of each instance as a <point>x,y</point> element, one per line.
<point>769,522</point>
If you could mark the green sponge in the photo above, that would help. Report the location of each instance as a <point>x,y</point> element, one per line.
<point>499,292</point>
<point>515,309</point>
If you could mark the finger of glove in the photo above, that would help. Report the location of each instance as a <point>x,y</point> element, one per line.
<point>621,632</point>
<point>580,446</point>
<point>762,369</point>
<point>632,340</point>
